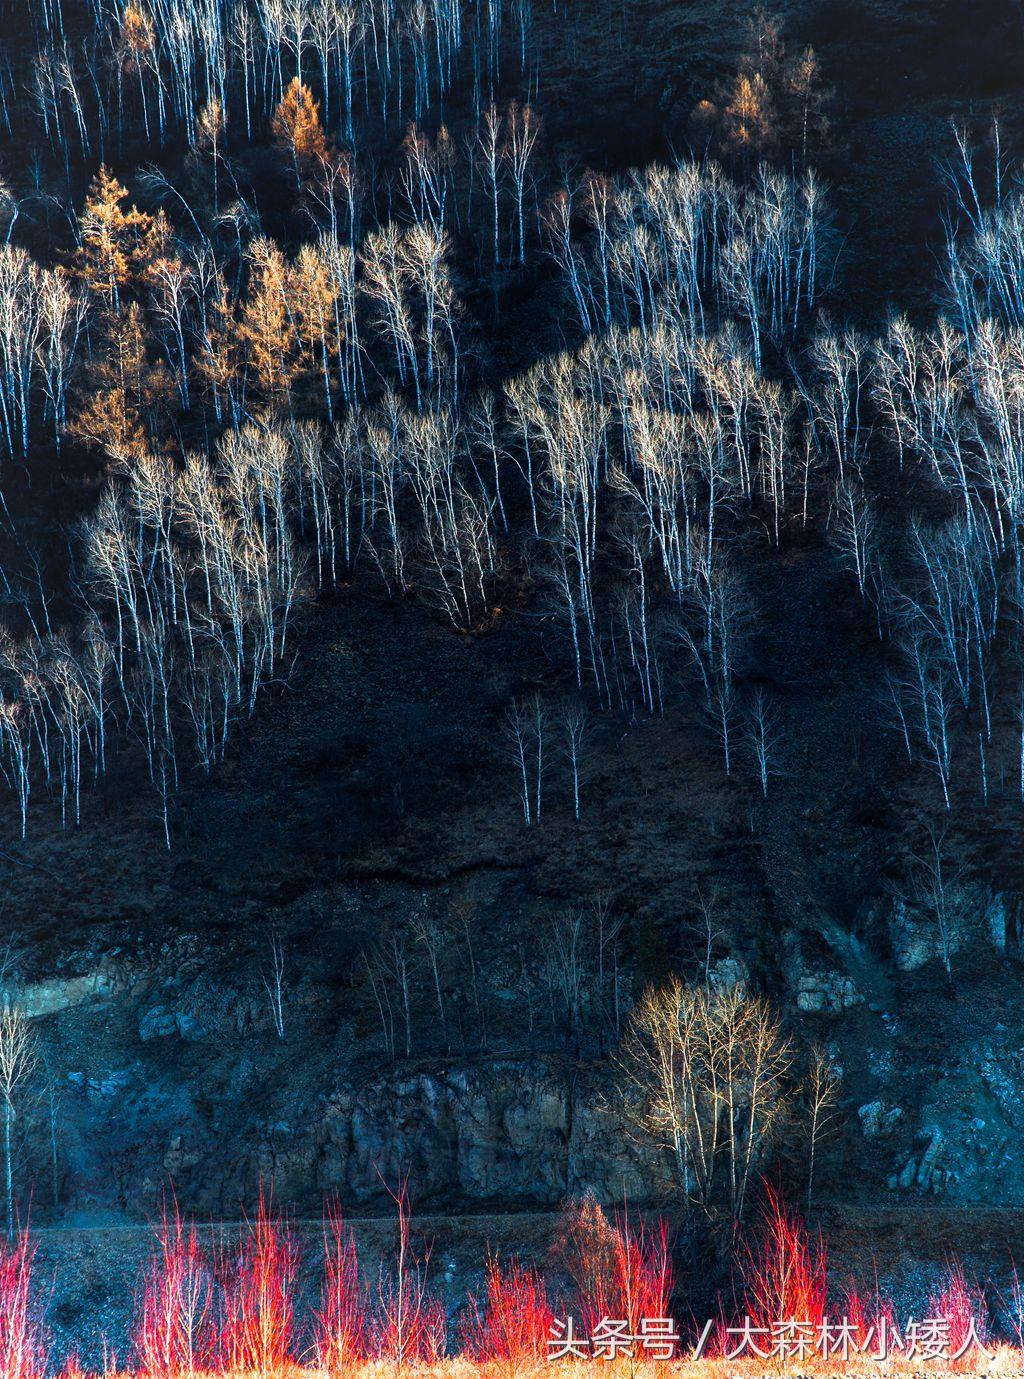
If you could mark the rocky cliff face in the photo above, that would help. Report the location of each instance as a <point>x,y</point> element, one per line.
<point>162,1071</point>
<point>167,1067</point>
<point>513,1131</point>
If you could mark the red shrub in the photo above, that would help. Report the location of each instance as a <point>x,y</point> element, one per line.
<point>784,1275</point>
<point>961,1303</point>
<point>173,1327</point>
<point>512,1324</point>
<point>642,1271</point>
<point>872,1318</point>
<point>258,1299</point>
<point>22,1351</point>
<point>341,1322</point>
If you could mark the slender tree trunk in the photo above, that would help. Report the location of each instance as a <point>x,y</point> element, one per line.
<point>8,1167</point>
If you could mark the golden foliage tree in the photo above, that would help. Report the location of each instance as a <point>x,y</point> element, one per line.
<point>118,240</point>
<point>287,324</point>
<point>775,103</point>
<point>123,256</point>
<point>296,127</point>
<point>126,390</point>
<point>316,296</point>
<point>750,119</point>
<point>266,326</point>
<point>137,33</point>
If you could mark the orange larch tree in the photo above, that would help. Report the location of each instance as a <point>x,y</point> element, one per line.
<point>267,325</point>
<point>117,240</point>
<point>296,127</point>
